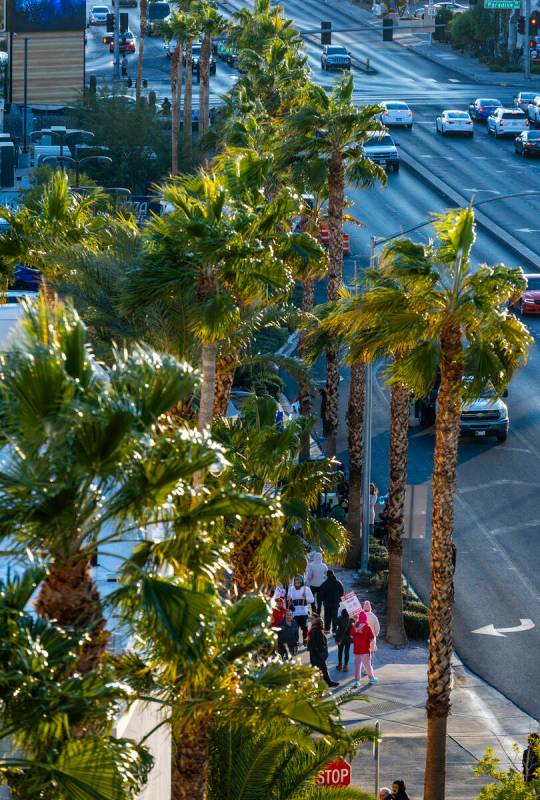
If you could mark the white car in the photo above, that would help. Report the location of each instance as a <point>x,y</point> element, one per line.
<point>98,15</point>
<point>533,109</point>
<point>396,113</point>
<point>455,8</point>
<point>506,122</point>
<point>454,122</point>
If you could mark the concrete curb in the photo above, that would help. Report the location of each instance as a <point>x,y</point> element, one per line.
<point>457,199</point>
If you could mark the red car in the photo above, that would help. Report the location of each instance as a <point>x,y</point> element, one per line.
<point>529,302</point>
<point>127,43</point>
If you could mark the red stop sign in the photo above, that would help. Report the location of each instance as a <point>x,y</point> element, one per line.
<point>336,773</point>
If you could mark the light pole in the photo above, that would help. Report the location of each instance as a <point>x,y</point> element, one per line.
<point>116,70</point>
<point>526,48</point>
<point>63,134</point>
<point>78,163</point>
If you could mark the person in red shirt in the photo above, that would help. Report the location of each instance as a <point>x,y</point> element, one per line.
<point>278,612</point>
<point>362,636</point>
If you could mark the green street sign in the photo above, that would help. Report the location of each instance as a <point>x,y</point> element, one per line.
<point>498,4</point>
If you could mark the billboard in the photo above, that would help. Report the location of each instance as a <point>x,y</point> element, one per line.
<point>40,16</point>
<point>55,68</point>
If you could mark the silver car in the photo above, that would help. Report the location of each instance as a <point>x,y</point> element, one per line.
<point>335,56</point>
<point>98,15</point>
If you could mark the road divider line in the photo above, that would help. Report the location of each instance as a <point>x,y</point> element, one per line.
<point>502,236</point>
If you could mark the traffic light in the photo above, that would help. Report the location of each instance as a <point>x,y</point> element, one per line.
<point>124,22</point>
<point>532,44</point>
<point>521,25</point>
<point>533,24</point>
<point>110,23</point>
<point>387,29</point>
<point>326,33</point>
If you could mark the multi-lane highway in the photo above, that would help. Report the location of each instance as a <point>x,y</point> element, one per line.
<point>497,509</point>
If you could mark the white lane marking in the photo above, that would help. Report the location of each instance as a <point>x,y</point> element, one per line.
<point>454,80</point>
<point>533,523</point>
<point>474,189</point>
<point>491,630</point>
<point>500,482</point>
<point>528,230</point>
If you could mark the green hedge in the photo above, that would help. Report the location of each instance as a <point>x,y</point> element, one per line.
<point>416,606</point>
<point>416,625</point>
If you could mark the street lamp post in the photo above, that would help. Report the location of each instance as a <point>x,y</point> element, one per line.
<point>116,70</point>
<point>63,135</point>
<point>78,163</point>
<point>526,48</point>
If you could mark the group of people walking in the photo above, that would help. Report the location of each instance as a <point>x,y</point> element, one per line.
<point>297,613</point>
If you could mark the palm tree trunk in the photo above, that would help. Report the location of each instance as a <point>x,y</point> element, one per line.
<point>355,422</point>
<point>308,300</point>
<point>208,386</point>
<point>69,596</point>
<point>188,105</point>
<point>224,382</point>
<point>204,88</point>
<point>142,33</point>
<point>250,534</point>
<point>442,571</point>
<point>336,199</point>
<point>399,425</point>
<point>176,90</point>
<point>190,763</point>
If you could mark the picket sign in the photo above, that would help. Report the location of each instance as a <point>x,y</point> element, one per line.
<point>351,603</point>
<point>336,773</point>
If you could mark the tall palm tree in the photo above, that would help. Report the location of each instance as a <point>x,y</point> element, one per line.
<point>192,30</point>
<point>221,248</point>
<point>330,128</point>
<point>80,468</point>
<point>435,313</point>
<point>51,719</point>
<point>264,460</point>
<point>211,23</point>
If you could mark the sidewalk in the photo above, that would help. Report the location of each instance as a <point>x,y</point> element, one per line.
<point>481,717</point>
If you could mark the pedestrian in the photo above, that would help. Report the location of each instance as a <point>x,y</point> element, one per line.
<point>318,651</point>
<point>299,597</point>
<point>398,791</point>
<point>278,612</point>
<point>288,636</point>
<point>373,497</point>
<point>331,592</point>
<point>531,758</point>
<point>124,66</point>
<point>362,636</point>
<point>384,793</point>
<point>373,622</point>
<point>343,639</point>
<point>315,576</point>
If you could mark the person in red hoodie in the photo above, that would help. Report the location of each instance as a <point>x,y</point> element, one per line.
<point>278,612</point>
<point>362,636</point>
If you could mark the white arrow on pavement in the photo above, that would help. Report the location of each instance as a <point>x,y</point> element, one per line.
<point>491,630</point>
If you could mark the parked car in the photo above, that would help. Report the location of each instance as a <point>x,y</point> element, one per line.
<point>128,3</point>
<point>506,122</point>
<point>527,143</point>
<point>482,107</point>
<point>157,13</point>
<point>98,15</point>
<point>396,112</point>
<point>381,149</point>
<point>522,100</point>
<point>454,122</point>
<point>196,57</point>
<point>529,302</point>
<point>334,56</point>
<point>127,43</point>
<point>533,110</point>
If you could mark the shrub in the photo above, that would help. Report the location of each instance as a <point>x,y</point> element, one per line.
<point>416,625</point>
<point>378,560</point>
<point>417,606</point>
<point>379,580</point>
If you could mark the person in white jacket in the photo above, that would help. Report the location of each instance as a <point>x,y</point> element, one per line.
<point>299,598</point>
<point>373,622</point>
<point>315,577</point>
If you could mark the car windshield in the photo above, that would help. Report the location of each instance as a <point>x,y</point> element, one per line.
<point>196,49</point>
<point>337,51</point>
<point>376,139</point>
<point>100,10</point>
<point>457,115</point>
<point>489,102</point>
<point>527,95</point>
<point>513,115</point>
<point>533,135</point>
<point>158,10</point>
<point>533,284</point>
<point>396,106</point>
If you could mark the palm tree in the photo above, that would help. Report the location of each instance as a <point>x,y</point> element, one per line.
<point>175,30</point>
<point>80,469</point>
<point>331,129</point>
<point>264,460</point>
<point>211,23</point>
<point>435,313</point>
<point>222,248</point>
<point>51,719</point>
<point>277,760</point>
<point>192,30</point>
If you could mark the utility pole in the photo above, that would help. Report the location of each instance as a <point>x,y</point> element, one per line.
<point>116,71</point>
<point>366,469</point>
<point>526,48</point>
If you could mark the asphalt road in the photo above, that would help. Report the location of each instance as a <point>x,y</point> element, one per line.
<point>497,521</point>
